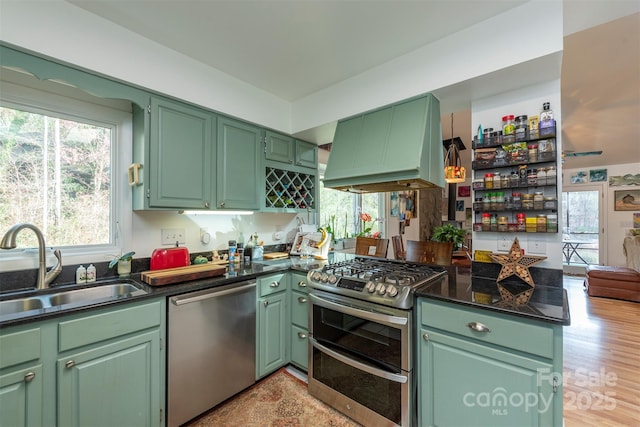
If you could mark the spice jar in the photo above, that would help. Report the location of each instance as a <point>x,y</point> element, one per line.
<point>494,200</point>
<point>532,178</point>
<point>521,221</point>
<point>500,201</point>
<point>515,179</point>
<point>508,203</point>
<point>494,222</point>
<point>550,202</point>
<point>488,181</point>
<point>522,171</point>
<point>486,222</point>
<point>541,224</point>
<point>486,202</point>
<point>517,200</point>
<point>527,201</point>
<point>502,223</point>
<point>551,175</point>
<point>538,200</point>
<point>508,127</point>
<point>542,176</point>
<point>533,152</point>
<point>505,180</point>
<point>497,180</point>
<point>552,223</point>
<point>521,127</point>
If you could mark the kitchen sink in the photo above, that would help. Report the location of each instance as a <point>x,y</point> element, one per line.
<point>20,305</point>
<point>116,290</point>
<point>77,297</point>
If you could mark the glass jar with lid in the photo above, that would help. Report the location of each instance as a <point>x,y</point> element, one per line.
<point>514,181</point>
<point>497,180</point>
<point>542,176</point>
<point>503,222</point>
<point>532,177</point>
<point>550,202</point>
<point>488,181</point>
<point>538,200</point>
<point>500,200</point>
<point>486,222</point>
<point>551,175</point>
<point>486,202</point>
<point>517,200</point>
<point>527,201</point>
<point>541,223</point>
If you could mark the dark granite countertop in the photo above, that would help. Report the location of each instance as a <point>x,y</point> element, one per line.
<point>547,302</point>
<point>237,273</point>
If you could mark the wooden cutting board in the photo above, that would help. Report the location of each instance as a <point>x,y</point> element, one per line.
<point>275,255</point>
<point>182,274</point>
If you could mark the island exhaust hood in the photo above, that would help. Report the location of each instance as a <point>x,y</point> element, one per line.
<point>394,148</point>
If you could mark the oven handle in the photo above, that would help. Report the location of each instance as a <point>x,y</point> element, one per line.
<point>359,365</point>
<point>368,315</point>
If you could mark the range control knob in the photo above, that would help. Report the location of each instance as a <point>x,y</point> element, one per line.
<point>392,291</point>
<point>381,289</point>
<point>315,275</point>
<point>324,277</point>
<point>370,286</point>
<point>332,279</point>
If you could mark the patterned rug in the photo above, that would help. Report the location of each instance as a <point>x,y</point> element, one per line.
<point>279,400</point>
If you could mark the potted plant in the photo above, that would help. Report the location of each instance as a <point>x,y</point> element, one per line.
<point>449,233</point>
<point>123,262</point>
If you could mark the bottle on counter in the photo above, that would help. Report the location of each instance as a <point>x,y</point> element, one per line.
<point>91,273</point>
<point>81,274</point>
<point>239,253</point>
<point>232,251</point>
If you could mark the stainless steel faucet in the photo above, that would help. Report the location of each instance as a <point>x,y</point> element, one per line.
<point>44,277</point>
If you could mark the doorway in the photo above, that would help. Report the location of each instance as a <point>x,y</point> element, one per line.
<point>582,242</point>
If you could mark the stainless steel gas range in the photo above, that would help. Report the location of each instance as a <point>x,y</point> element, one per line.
<point>361,337</point>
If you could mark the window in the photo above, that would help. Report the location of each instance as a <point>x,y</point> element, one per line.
<point>341,211</point>
<point>55,173</point>
<point>60,151</point>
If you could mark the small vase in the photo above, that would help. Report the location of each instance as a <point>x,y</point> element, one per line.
<point>124,268</point>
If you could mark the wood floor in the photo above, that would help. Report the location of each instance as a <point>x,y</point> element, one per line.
<point>601,360</point>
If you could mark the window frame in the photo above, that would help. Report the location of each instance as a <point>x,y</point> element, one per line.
<point>64,101</point>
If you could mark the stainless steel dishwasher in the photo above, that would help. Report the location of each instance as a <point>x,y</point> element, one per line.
<point>211,348</point>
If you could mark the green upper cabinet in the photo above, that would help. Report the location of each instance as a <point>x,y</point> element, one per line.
<point>279,148</point>
<point>180,156</point>
<point>238,165</point>
<point>306,154</point>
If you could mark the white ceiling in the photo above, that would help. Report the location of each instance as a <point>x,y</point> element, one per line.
<point>295,48</point>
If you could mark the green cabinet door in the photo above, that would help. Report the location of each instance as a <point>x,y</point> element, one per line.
<point>238,168</point>
<point>181,156</point>
<point>463,382</point>
<point>21,397</point>
<point>272,333</point>
<point>115,384</point>
<point>306,154</point>
<point>300,347</point>
<point>279,148</point>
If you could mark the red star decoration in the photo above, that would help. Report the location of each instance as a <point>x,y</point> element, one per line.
<point>516,264</point>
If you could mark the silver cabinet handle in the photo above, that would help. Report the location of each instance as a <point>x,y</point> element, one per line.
<point>302,335</point>
<point>206,205</point>
<point>302,284</point>
<point>302,300</point>
<point>266,303</point>
<point>222,204</point>
<point>29,376</point>
<point>70,364</point>
<point>274,284</point>
<point>479,327</point>
<point>425,337</point>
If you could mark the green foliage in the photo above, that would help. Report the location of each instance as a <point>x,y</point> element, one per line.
<point>449,233</point>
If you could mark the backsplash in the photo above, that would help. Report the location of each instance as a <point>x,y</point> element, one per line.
<point>20,280</point>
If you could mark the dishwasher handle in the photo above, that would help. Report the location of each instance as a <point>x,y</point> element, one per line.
<point>212,294</point>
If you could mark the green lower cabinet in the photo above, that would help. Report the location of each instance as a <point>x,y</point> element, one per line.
<point>467,379</point>
<point>101,367</point>
<point>273,334</point>
<point>114,384</point>
<point>300,347</point>
<point>21,397</point>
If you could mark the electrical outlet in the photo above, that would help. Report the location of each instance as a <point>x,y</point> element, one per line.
<point>504,243</point>
<point>169,236</point>
<point>537,246</point>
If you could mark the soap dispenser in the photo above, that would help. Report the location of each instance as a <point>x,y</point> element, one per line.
<point>91,273</point>
<point>81,275</point>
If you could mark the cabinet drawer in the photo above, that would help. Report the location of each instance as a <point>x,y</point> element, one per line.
<point>99,327</point>
<point>19,347</point>
<point>299,346</point>
<point>299,282</point>
<point>300,309</point>
<point>271,284</point>
<point>523,335</point>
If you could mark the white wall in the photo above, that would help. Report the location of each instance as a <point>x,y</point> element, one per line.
<point>616,223</point>
<point>488,112</point>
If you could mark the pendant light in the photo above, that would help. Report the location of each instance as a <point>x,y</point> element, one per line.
<point>454,172</point>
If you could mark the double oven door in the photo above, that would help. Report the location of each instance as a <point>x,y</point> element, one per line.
<point>360,359</point>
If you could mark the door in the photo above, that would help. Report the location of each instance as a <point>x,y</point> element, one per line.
<point>582,228</point>
<point>488,387</point>
<point>21,397</point>
<point>272,333</point>
<point>238,165</point>
<point>306,154</point>
<point>181,150</point>
<point>117,384</point>
<point>279,148</point>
